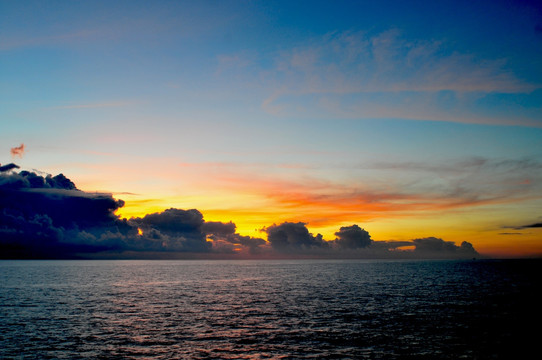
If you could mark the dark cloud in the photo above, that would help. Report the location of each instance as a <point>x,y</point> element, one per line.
<point>8,167</point>
<point>250,242</point>
<point>535,225</point>
<point>432,244</point>
<point>293,237</point>
<point>173,221</point>
<point>226,233</point>
<point>392,244</point>
<point>174,230</point>
<point>48,217</point>
<point>352,237</point>
<point>436,247</point>
<point>30,180</point>
<point>186,230</point>
<point>355,242</point>
<point>218,228</point>
<point>522,227</point>
<point>45,217</point>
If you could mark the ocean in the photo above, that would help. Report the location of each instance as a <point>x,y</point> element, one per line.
<point>276,309</point>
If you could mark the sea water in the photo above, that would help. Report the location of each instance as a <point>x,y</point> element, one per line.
<point>294,309</point>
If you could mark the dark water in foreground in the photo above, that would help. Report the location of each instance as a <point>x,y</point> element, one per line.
<point>269,309</point>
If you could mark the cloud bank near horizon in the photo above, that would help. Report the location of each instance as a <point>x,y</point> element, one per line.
<point>48,217</point>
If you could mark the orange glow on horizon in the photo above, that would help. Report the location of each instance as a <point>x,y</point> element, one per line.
<point>450,224</point>
<point>256,202</point>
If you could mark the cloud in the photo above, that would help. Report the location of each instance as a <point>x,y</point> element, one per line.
<point>236,243</point>
<point>464,182</point>
<point>366,75</point>
<point>17,151</point>
<point>416,188</point>
<point>174,230</point>
<point>8,167</point>
<point>293,237</point>
<point>352,237</point>
<point>354,62</point>
<point>187,231</point>
<point>535,225</point>
<point>227,240</point>
<point>45,40</point>
<point>423,248</point>
<point>354,242</point>
<point>528,226</point>
<point>218,228</point>
<point>99,105</point>
<point>532,225</point>
<point>435,247</point>
<point>48,217</point>
<point>254,244</point>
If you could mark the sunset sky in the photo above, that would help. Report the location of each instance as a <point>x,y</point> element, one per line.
<point>412,119</point>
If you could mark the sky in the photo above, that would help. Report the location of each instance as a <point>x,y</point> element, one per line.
<point>411,121</point>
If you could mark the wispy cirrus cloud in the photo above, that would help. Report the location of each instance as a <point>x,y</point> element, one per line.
<point>353,62</point>
<point>68,37</point>
<point>418,187</point>
<point>528,226</point>
<point>384,75</point>
<point>96,105</point>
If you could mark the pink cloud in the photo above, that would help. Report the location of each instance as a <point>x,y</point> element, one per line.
<point>18,151</point>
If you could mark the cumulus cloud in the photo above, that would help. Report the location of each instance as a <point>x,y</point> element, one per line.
<point>352,237</point>
<point>174,230</point>
<point>49,217</point>
<point>291,237</point>
<point>187,231</point>
<point>355,242</point>
<point>423,248</point>
<point>219,229</point>
<point>227,240</point>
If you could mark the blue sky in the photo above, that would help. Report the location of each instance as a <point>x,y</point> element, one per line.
<point>185,102</point>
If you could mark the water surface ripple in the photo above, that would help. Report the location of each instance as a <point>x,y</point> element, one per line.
<point>294,309</point>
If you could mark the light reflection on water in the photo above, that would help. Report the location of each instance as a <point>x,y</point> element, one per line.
<point>266,309</point>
